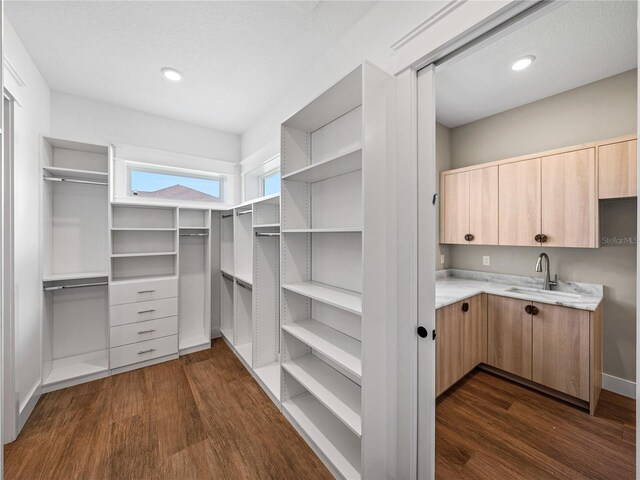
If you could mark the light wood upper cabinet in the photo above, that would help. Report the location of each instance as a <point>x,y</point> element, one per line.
<point>483,205</point>
<point>618,170</point>
<point>509,335</point>
<point>519,193</point>
<point>569,200</point>
<point>455,207</point>
<point>561,349</point>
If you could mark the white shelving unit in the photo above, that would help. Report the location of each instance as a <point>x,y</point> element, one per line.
<point>75,270</point>
<point>333,272</point>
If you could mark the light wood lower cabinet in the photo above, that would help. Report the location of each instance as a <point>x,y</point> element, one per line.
<point>509,335</point>
<point>461,340</point>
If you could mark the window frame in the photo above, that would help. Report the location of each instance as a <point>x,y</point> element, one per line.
<point>262,178</point>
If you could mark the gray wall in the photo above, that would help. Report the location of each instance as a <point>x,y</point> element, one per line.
<point>597,111</point>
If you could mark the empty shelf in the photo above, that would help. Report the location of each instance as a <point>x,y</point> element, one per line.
<point>269,376</point>
<point>144,229</point>
<point>345,163</point>
<point>324,230</point>
<point>76,367</point>
<point>245,277</point>
<point>142,278</point>
<point>335,391</point>
<point>341,348</point>
<point>227,272</point>
<point>193,341</point>
<point>338,297</point>
<point>91,175</point>
<point>339,445</point>
<point>246,352</point>
<point>141,254</point>
<point>57,277</point>
<point>194,228</point>
<point>267,225</point>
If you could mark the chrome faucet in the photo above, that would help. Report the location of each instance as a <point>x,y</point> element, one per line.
<point>542,265</point>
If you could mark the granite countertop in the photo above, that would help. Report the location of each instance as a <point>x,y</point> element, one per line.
<point>454,285</point>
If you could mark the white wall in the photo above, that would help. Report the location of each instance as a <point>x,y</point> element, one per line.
<point>369,39</point>
<point>32,119</point>
<point>87,120</point>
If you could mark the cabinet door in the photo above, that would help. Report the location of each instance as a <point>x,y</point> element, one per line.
<point>474,335</point>
<point>569,201</point>
<point>618,170</point>
<point>449,359</point>
<point>483,205</point>
<point>561,349</point>
<point>519,210</point>
<point>455,207</point>
<point>509,335</point>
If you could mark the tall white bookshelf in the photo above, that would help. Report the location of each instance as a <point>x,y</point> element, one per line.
<point>333,346</point>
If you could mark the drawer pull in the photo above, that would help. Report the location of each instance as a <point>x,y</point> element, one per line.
<point>146,331</point>
<point>147,311</point>
<point>141,352</point>
<point>146,291</point>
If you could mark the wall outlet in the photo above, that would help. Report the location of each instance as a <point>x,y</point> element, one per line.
<point>442,259</point>
<point>486,260</point>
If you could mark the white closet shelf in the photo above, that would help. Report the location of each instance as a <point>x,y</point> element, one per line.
<point>245,277</point>
<point>267,225</point>
<point>337,297</point>
<point>227,272</point>
<point>342,349</point>
<point>192,341</point>
<point>142,278</point>
<point>77,367</point>
<point>142,229</point>
<point>142,254</point>
<point>194,228</point>
<point>340,446</point>
<point>246,352</point>
<point>335,391</point>
<point>324,230</point>
<point>345,163</point>
<point>55,277</point>
<point>228,334</point>
<point>91,175</point>
<point>269,375</point>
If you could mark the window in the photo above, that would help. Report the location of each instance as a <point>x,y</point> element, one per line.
<point>175,186</point>
<point>270,183</point>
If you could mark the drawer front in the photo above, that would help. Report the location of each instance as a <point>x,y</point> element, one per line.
<point>143,351</point>
<point>143,311</point>
<point>141,331</point>
<point>137,291</point>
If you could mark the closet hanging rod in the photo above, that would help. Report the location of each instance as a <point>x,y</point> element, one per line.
<point>80,285</point>
<point>74,180</point>
<point>194,234</point>
<point>267,234</point>
<point>243,285</point>
<point>227,276</point>
<point>244,212</point>
<point>227,216</point>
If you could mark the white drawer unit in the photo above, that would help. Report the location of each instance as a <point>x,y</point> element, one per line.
<point>142,331</point>
<point>143,311</point>
<point>142,290</point>
<point>143,351</point>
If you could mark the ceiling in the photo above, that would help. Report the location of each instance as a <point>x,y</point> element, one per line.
<point>575,44</point>
<point>237,57</point>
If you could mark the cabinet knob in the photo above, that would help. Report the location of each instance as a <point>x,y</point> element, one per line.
<point>528,309</point>
<point>465,307</point>
<point>468,237</point>
<point>422,332</point>
<point>541,238</point>
<point>534,310</point>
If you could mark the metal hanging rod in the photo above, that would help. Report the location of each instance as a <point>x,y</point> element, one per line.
<point>74,180</point>
<point>227,276</point>
<point>194,234</point>
<point>80,285</point>
<point>227,216</point>
<point>244,212</point>
<point>267,234</point>
<point>243,285</point>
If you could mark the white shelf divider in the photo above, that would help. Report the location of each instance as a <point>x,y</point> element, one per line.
<point>334,296</point>
<point>342,349</point>
<point>331,388</point>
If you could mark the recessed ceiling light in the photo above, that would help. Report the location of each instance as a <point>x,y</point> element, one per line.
<point>522,63</point>
<point>171,74</point>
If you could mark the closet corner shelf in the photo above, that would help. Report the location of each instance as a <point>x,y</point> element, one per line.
<point>341,348</point>
<point>335,391</point>
<point>58,277</point>
<point>142,254</point>
<point>324,230</point>
<point>338,444</point>
<point>68,369</point>
<point>245,277</point>
<point>345,163</point>
<point>91,175</point>
<point>269,375</point>
<point>246,352</point>
<point>337,297</point>
<point>227,334</point>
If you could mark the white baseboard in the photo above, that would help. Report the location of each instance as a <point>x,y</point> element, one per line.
<point>621,386</point>
<point>28,405</point>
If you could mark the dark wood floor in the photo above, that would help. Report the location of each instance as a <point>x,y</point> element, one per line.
<point>490,428</point>
<point>201,416</point>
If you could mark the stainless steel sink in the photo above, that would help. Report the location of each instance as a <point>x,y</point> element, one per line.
<point>540,291</point>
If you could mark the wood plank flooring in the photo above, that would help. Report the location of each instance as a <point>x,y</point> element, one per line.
<point>491,428</point>
<point>201,416</point>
